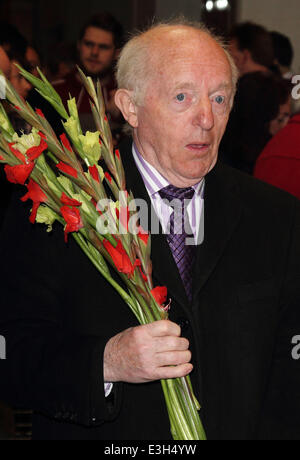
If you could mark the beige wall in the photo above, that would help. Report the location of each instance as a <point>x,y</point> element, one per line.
<point>279,15</point>
<point>167,8</point>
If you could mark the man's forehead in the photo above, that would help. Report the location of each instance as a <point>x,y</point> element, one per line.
<point>98,35</point>
<point>184,43</point>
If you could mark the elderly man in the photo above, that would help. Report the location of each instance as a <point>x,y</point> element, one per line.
<point>235,296</point>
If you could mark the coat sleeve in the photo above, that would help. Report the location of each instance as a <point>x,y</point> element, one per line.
<point>281,415</point>
<point>49,368</point>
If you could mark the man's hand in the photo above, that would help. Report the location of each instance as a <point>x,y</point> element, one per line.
<point>147,353</point>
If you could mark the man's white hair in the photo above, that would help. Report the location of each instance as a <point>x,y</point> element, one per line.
<point>134,64</point>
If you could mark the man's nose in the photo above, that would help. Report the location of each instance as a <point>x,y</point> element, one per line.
<point>95,50</point>
<point>204,116</point>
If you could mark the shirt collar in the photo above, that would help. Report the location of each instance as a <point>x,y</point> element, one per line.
<point>153,180</point>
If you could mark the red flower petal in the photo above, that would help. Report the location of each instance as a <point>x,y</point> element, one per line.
<point>143,236</point>
<point>160,294</point>
<point>119,257</point>
<point>118,154</point>
<point>65,142</point>
<point>36,194</point>
<point>69,201</point>
<point>34,152</point>
<point>42,135</point>
<point>73,219</point>
<point>40,113</point>
<point>108,177</point>
<point>1,158</point>
<point>94,173</point>
<point>67,169</point>
<point>16,153</point>
<point>18,174</point>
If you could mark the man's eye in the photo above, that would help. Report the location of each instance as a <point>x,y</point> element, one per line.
<point>180,97</point>
<point>220,100</point>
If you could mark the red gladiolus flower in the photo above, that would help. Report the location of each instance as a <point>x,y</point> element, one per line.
<point>160,294</point>
<point>40,113</point>
<point>120,258</point>
<point>108,177</point>
<point>17,108</point>
<point>42,135</point>
<point>94,173</point>
<point>18,174</point>
<point>73,219</point>
<point>16,153</point>
<point>65,142</point>
<point>117,152</point>
<point>34,152</point>
<point>36,194</point>
<point>67,169</point>
<point>69,201</point>
<point>143,236</point>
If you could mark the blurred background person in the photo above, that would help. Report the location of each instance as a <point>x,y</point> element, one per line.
<point>4,62</point>
<point>262,107</point>
<point>283,54</point>
<point>33,58</point>
<point>251,47</point>
<point>279,163</point>
<point>61,63</point>
<point>98,46</point>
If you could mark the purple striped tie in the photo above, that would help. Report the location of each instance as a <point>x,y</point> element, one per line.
<point>180,231</point>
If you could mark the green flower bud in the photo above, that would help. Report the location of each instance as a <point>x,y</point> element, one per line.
<point>5,124</point>
<point>91,146</point>
<point>46,216</point>
<point>72,128</point>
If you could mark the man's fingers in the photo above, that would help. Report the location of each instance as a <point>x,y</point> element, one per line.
<point>164,328</point>
<point>173,358</point>
<point>165,373</point>
<point>163,344</point>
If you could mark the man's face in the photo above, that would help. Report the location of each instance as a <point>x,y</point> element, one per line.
<point>4,63</point>
<point>186,108</point>
<point>97,51</point>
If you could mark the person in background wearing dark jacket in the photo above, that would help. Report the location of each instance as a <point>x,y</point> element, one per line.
<point>99,44</point>
<point>261,108</point>
<point>235,295</point>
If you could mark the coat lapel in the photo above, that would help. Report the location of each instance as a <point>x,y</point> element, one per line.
<point>222,212</point>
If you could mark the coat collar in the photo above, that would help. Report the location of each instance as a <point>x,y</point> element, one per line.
<point>222,211</point>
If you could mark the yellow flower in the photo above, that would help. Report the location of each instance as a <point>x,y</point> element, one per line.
<point>91,146</point>
<point>46,216</point>
<point>26,141</point>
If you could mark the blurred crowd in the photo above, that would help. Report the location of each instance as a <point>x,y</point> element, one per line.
<point>262,137</point>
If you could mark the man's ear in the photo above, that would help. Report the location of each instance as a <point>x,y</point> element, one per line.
<point>124,102</point>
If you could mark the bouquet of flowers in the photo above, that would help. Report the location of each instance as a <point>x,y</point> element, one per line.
<point>79,181</point>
